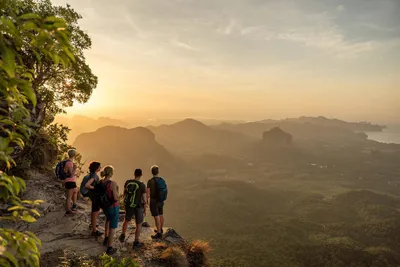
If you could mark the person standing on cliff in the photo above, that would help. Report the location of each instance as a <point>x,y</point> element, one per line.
<point>70,183</point>
<point>156,195</point>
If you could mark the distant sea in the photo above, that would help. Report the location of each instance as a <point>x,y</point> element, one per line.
<point>389,135</point>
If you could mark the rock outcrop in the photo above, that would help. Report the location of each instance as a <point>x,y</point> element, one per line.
<point>277,137</point>
<point>61,235</point>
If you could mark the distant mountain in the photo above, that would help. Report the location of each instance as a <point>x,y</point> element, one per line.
<point>301,131</point>
<point>191,137</point>
<point>323,121</point>
<point>125,149</point>
<point>82,124</point>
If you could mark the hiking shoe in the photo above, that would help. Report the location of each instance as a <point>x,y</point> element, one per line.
<point>137,244</point>
<point>105,241</point>
<point>122,238</point>
<point>111,251</point>
<point>157,236</point>
<point>97,233</point>
<point>90,226</point>
<point>162,231</point>
<point>69,212</point>
<point>74,207</point>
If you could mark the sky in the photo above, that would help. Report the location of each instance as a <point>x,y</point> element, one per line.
<point>243,59</point>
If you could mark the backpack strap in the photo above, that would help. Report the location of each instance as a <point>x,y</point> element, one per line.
<point>106,184</point>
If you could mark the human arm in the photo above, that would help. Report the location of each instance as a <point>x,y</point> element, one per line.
<point>89,183</point>
<point>114,188</point>
<point>148,191</point>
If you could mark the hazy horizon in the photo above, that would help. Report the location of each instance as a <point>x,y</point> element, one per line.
<point>243,60</point>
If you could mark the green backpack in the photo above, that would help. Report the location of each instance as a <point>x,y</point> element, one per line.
<point>131,190</point>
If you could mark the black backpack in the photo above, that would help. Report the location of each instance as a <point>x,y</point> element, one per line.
<point>60,173</point>
<point>101,196</point>
<point>130,194</point>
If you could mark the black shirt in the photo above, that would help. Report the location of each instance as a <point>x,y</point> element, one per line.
<point>139,193</point>
<point>151,184</point>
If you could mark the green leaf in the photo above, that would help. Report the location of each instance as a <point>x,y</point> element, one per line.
<point>29,93</point>
<point>16,208</point>
<point>10,257</point>
<point>35,212</point>
<point>10,25</point>
<point>37,202</point>
<point>29,25</point>
<point>28,218</point>
<point>4,142</point>
<point>29,16</point>
<point>8,65</point>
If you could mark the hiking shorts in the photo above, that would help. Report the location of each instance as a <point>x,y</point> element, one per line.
<point>138,213</point>
<point>95,206</point>
<point>70,185</point>
<point>112,216</point>
<point>156,207</point>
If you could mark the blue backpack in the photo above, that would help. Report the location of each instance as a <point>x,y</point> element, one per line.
<point>162,190</point>
<point>60,173</point>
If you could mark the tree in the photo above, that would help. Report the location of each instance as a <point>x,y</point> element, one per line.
<point>48,40</point>
<point>56,84</point>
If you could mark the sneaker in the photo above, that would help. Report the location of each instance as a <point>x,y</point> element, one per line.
<point>90,226</point>
<point>111,251</point>
<point>122,238</point>
<point>137,244</point>
<point>105,241</point>
<point>69,212</point>
<point>157,236</point>
<point>162,231</point>
<point>97,233</point>
<point>74,207</point>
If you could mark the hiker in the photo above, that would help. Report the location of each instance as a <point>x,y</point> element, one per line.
<point>135,206</point>
<point>157,193</point>
<point>87,190</point>
<point>110,209</point>
<point>70,183</point>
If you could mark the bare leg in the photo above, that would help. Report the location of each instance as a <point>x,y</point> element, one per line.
<point>161,221</point>
<point>158,224</point>
<point>69,197</point>
<point>125,226</point>
<point>94,216</point>
<point>111,234</point>
<point>106,228</point>
<point>137,232</point>
<point>74,196</point>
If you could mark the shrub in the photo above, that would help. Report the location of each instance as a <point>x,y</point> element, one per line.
<point>174,256</point>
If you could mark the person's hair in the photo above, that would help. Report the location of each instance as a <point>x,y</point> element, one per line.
<point>138,173</point>
<point>94,166</point>
<point>71,153</point>
<point>108,171</point>
<point>155,170</point>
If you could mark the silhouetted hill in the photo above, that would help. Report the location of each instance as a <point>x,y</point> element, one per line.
<point>354,126</point>
<point>191,137</point>
<point>83,124</point>
<point>125,149</point>
<point>276,137</point>
<point>323,121</point>
<point>309,132</point>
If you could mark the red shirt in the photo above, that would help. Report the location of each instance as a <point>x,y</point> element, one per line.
<point>111,195</point>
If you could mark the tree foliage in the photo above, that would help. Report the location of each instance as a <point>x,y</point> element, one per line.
<point>57,83</point>
<point>30,42</point>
